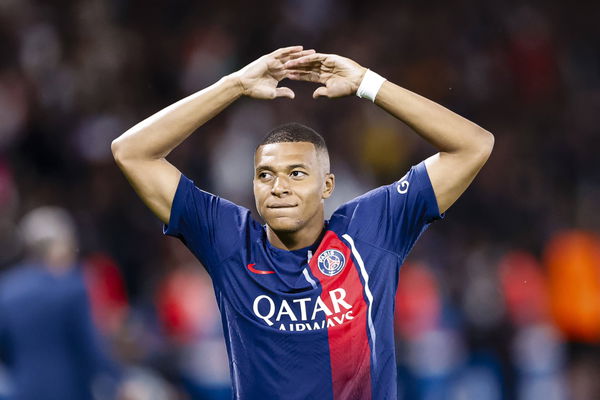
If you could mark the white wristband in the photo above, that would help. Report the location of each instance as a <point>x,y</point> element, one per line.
<point>370,85</point>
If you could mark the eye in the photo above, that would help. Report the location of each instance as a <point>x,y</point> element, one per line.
<point>298,174</point>
<point>264,175</point>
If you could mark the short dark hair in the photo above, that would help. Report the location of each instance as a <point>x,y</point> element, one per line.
<point>294,132</point>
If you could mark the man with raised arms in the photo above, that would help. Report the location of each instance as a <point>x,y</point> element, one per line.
<point>306,304</point>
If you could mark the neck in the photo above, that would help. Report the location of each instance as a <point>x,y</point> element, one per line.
<point>304,237</point>
<point>59,259</point>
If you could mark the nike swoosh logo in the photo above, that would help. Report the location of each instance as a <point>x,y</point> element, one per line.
<point>258,271</point>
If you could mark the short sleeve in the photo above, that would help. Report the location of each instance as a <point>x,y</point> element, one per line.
<point>208,225</point>
<point>393,217</point>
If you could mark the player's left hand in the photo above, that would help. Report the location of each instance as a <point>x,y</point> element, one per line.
<point>260,78</point>
<point>340,75</point>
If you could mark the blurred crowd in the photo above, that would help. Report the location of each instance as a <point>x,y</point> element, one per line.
<point>501,300</point>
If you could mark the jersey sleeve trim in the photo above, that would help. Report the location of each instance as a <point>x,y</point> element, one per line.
<point>172,228</point>
<point>432,207</point>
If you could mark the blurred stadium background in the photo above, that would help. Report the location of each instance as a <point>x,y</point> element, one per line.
<point>501,300</point>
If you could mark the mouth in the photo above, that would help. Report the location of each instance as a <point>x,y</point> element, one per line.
<point>281,206</point>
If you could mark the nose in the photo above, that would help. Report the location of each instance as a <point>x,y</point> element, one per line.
<point>280,186</point>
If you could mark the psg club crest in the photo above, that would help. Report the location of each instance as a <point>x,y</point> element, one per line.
<point>331,262</point>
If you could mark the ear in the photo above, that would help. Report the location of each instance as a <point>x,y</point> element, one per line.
<point>329,185</point>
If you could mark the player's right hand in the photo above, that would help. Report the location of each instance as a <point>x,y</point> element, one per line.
<point>260,78</point>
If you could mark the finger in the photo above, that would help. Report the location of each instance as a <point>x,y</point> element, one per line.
<point>284,92</point>
<point>302,53</point>
<point>308,66</point>
<point>286,50</point>
<point>293,56</point>
<point>320,92</point>
<point>315,58</point>
<point>305,68</point>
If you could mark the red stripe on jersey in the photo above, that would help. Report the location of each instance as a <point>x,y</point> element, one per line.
<point>349,348</point>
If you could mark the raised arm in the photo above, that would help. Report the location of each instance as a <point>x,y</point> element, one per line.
<point>140,152</point>
<point>463,146</point>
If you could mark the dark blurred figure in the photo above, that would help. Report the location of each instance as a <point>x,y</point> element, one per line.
<point>47,337</point>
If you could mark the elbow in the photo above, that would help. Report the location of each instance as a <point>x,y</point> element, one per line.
<point>482,147</point>
<point>117,149</point>
<point>487,143</point>
<point>479,149</point>
<point>120,151</point>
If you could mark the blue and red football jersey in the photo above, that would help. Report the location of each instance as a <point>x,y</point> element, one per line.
<point>314,323</point>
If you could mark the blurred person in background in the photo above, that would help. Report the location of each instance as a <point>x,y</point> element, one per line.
<point>47,338</point>
<point>297,325</point>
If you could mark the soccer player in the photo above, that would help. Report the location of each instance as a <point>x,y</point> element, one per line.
<point>306,304</point>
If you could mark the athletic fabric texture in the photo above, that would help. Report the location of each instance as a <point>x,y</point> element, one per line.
<point>314,323</point>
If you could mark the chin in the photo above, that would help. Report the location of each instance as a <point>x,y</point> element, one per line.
<point>284,225</point>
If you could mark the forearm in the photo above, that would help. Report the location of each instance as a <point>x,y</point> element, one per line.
<point>463,146</point>
<point>159,134</point>
<point>444,129</point>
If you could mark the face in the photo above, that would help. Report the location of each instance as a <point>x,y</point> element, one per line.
<point>291,180</point>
